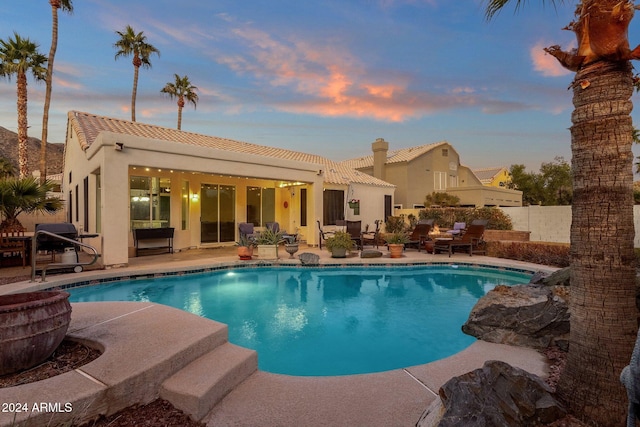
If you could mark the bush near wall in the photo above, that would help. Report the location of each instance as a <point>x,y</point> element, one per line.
<point>554,254</point>
<point>445,217</point>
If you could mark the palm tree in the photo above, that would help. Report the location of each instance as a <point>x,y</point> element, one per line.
<point>6,168</point>
<point>19,56</point>
<point>134,44</point>
<point>18,195</point>
<point>603,311</point>
<point>181,89</point>
<point>67,6</point>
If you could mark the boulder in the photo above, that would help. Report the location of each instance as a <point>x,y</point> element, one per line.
<point>524,315</point>
<point>497,394</point>
<point>307,258</point>
<point>370,253</point>
<point>557,278</point>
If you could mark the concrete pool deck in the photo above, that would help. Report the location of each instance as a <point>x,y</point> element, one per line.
<point>145,345</point>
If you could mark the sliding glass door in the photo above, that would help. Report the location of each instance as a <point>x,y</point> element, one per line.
<point>217,213</point>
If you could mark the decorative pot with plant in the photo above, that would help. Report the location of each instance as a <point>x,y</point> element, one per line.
<point>245,248</point>
<point>395,242</point>
<point>267,242</point>
<point>291,245</point>
<point>339,244</point>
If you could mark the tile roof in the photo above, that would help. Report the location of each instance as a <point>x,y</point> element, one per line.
<point>487,174</point>
<point>88,126</point>
<point>393,156</point>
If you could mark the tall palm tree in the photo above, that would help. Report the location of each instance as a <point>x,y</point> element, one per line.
<point>19,56</point>
<point>67,6</point>
<point>132,43</point>
<point>603,311</point>
<point>183,90</point>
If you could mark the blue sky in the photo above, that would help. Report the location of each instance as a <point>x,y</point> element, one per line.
<point>325,77</point>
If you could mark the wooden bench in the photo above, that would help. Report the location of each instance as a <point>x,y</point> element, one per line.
<point>153,239</point>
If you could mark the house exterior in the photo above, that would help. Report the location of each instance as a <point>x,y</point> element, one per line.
<point>419,171</point>
<point>121,175</point>
<point>494,177</point>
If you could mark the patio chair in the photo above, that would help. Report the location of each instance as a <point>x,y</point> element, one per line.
<point>354,228</point>
<point>418,236</point>
<point>246,230</point>
<point>371,237</point>
<point>323,235</point>
<point>10,244</point>
<point>471,239</point>
<point>275,227</point>
<point>458,229</point>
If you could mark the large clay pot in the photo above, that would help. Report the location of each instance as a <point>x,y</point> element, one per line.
<point>245,252</point>
<point>32,326</point>
<point>395,249</point>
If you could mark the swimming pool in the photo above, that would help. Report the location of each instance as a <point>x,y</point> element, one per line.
<point>327,321</point>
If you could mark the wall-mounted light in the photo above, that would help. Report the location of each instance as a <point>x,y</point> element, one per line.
<point>195,197</point>
<point>119,146</point>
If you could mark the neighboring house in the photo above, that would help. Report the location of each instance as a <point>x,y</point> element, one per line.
<point>120,175</point>
<point>419,171</point>
<point>494,177</point>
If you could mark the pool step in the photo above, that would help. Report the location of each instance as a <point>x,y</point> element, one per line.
<point>199,386</point>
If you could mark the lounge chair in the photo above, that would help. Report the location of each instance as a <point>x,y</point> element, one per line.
<point>371,237</point>
<point>418,236</point>
<point>13,243</point>
<point>354,228</point>
<point>470,240</point>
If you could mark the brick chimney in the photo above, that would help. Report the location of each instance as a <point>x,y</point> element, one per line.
<point>380,148</point>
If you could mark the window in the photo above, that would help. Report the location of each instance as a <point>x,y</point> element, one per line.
<point>98,204</point>
<point>303,207</point>
<point>333,209</point>
<point>387,207</point>
<point>261,205</point>
<point>439,181</point>
<point>445,152</point>
<point>453,181</point>
<point>150,200</point>
<point>184,206</point>
<point>85,212</point>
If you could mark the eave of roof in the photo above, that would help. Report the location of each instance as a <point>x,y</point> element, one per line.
<point>88,126</point>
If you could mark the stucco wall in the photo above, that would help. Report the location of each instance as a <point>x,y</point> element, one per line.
<point>553,223</point>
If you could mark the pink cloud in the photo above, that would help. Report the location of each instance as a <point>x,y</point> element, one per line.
<point>546,64</point>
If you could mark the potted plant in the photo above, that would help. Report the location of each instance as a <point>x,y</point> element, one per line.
<point>395,242</point>
<point>267,242</point>
<point>339,244</point>
<point>245,248</point>
<point>291,245</point>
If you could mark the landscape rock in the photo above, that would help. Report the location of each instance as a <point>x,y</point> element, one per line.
<point>497,394</point>
<point>370,253</point>
<point>307,258</point>
<point>524,315</point>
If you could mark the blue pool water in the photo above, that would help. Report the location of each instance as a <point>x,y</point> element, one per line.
<point>327,321</point>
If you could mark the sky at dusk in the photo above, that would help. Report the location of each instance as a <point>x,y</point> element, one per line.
<point>323,77</point>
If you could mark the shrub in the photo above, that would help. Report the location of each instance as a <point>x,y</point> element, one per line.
<point>395,224</point>
<point>554,254</point>
<point>446,217</point>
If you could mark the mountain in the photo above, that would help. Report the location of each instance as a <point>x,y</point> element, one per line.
<point>9,150</point>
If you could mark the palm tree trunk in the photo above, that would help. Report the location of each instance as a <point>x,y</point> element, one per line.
<point>134,93</point>
<point>22,125</point>
<point>603,312</point>
<point>47,98</point>
<point>179,116</point>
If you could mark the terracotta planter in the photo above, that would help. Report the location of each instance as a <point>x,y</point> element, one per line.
<point>245,252</point>
<point>291,248</point>
<point>395,250</point>
<point>32,326</point>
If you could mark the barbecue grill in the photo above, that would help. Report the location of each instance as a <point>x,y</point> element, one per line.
<point>52,244</point>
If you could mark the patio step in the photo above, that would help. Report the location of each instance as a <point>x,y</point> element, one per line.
<point>199,386</point>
